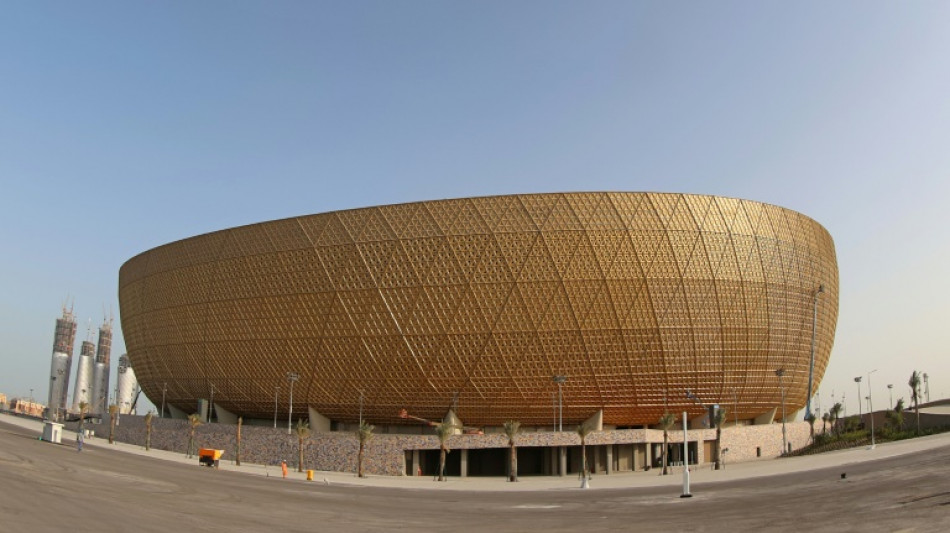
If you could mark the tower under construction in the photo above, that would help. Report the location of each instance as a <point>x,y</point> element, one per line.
<point>100,374</point>
<point>127,385</point>
<point>82,390</point>
<point>64,339</point>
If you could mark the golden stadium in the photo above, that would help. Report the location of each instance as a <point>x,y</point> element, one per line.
<point>475,304</point>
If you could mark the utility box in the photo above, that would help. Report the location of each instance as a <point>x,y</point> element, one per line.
<point>53,432</point>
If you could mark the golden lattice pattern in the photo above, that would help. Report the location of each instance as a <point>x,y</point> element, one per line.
<point>635,297</point>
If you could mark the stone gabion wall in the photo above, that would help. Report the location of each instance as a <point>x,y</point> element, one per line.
<point>385,454</point>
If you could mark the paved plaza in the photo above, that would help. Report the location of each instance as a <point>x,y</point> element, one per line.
<point>903,486</point>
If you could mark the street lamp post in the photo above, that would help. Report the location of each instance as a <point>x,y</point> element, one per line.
<point>276,390</point>
<point>361,407</point>
<point>164,390</point>
<point>858,381</point>
<point>291,377</point>
<point>211,405</point>
<point>811,365</point>
<point>735,403</point>
<point>890,394</point>
<point>781,372</point>
<point>560,401</point>
<point>871,408</point>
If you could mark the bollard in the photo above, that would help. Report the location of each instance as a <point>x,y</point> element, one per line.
<point>309,475</point>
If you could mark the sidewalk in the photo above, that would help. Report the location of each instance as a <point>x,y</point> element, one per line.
<point>701,474</point>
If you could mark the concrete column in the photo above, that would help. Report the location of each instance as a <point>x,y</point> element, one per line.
<point>610,459</point>
<point>464,461</point>
<point>562,453</point>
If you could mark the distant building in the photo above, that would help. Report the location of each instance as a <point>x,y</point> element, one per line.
<point>127,385</point>
<point>26,407</point>
<point>64,338</point>
<point>100,373</point>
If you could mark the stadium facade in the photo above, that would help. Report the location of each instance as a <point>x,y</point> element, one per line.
<point>473,305</point>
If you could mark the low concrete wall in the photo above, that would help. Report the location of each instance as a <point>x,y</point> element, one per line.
<point>385,454</point>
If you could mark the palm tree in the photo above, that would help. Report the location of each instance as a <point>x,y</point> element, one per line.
<point>113,415</point>
<point>512,429</point>
<point>237,451</point>
<point>835,412</point>
<point>194,420</point>
<point>303,431</point>
<point>718,419</point>
<point>897,415</point>
<point>364,433</point>
<point>583,431</point>
<point>443,431</point>
<point>810,418</point>
<point>666,422</point>
<point>148,431</point>
<point>824,422</point>
<point>914,383</point>
<point>82,414</point>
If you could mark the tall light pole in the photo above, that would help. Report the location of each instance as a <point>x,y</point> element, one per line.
<point>811,366</point>
<point>871,408</point>
<point>858,381</point>
<point>927,386</point>
<point>164,390</point>
<point>211,405</point>
<point>890,394</point>
<point>276,390</point>
<point>291,377</point>
<point>735,403</point>
<point>31,397</point>
<point>781,372</point>
<point>361,408</point>
<point>560,401</point>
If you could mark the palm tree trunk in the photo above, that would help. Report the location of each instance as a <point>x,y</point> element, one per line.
<point>300,454</point>
<point>237,458</point>
<point>191,441</point>
<point>513,474</point>
<point>583,458</point>
<point>148,437</point>
<point>663,452</point>
<point>442,464</point>
<point>359,461</point>
<point>718,447</point>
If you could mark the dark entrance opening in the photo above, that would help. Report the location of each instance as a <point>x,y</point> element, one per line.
<point>429,459</point>
<point>488,462</point>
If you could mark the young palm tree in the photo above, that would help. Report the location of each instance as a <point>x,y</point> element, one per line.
<point>719,418</point>
<point>443,431</point>
<point>666,422</point>
<point>364,433</point>
<point>303,432</point>
<point>113,415</point>
<point>897,415</point>
<point>824,422</point>
<point>83,406</point>
<point>148,431</point>
<point>810,418</point>
<point>194,420</point>
<point>583,431</point>
<point>914,383</point>
<point>512,429</point>
<point>835,413</point>
<point>237,451</point>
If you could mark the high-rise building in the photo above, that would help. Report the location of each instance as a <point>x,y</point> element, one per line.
<point>82,391</point>
<point>100,373</point>
<point>64,338</point>
<point>127,385</point>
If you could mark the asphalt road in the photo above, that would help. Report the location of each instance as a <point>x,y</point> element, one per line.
<point>48,487</point>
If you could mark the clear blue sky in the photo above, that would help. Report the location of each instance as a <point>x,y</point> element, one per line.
<point>124,126</point>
